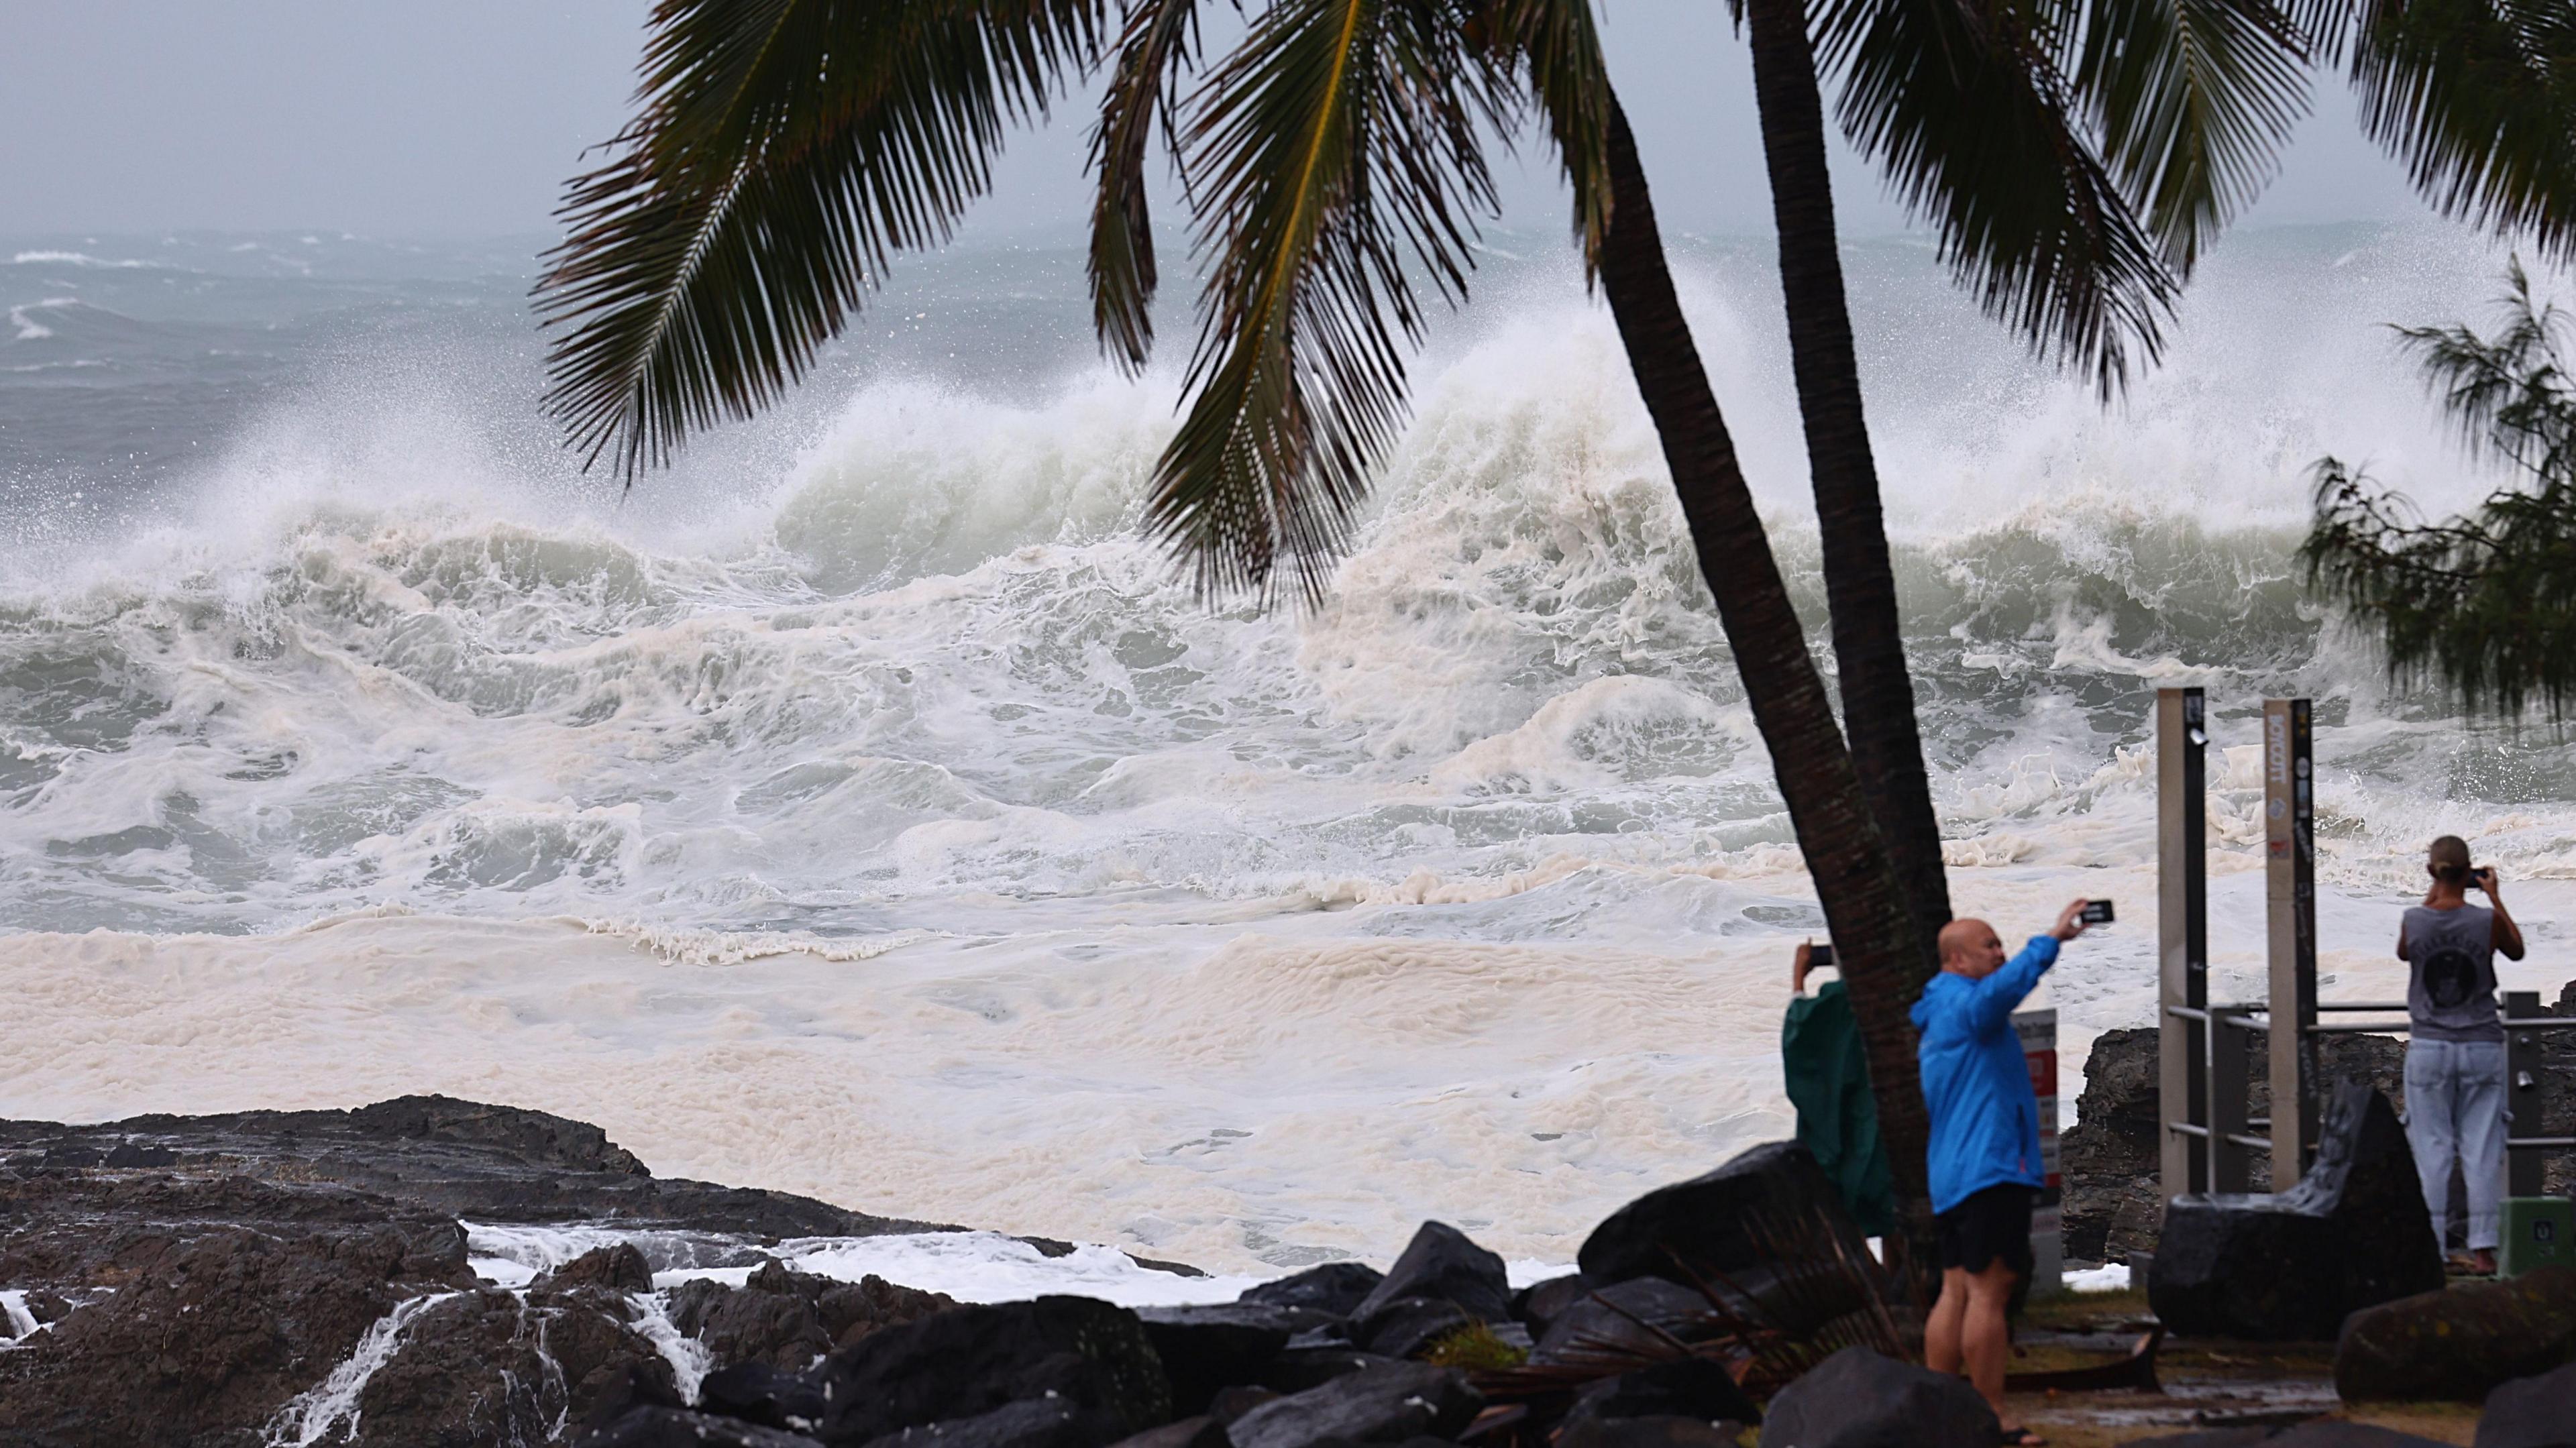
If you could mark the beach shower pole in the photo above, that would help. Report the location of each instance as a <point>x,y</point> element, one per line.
<point>2182,939</point>
<point>2290,906</point>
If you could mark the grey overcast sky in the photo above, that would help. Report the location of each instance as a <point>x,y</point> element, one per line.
<point>463,117</point>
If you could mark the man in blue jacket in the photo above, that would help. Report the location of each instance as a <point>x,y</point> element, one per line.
<point>1984,1160</point>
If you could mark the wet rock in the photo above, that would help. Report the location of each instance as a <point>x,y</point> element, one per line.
<point>2332,1433</point>
<point>2288,1267</point>
<point>1297,1369</point>
<point>1707,1221</point>
<point>1207,1349</point>
<point>1860,1399</point>
<point>789,1319</point>
<point>1337,1288</point>
<point>266,1315</point>
<point>483,1367</point>
<point>653,1427</point>
<point>620,1268</point>
<point>1232,1403</point>
<point>1692,1388</point>
<point>1648,1432</point>
<point>1378,1405</point>
<point>1622,1317</point>
<point>637,1385</point>
<point>1541,1303</point>
<point>2209,1438</point>
<point>758,1393</point>
<point>1408,1326</point>
<point>2461,1343</point>
<point>2532,1412</point>
<point>1442,1262</point>
<point>1083,1355</point>
<point>1201,1431</point>
<point>1031,1423</point>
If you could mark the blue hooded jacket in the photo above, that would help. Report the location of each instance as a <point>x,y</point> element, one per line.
<point>1976,1086</point>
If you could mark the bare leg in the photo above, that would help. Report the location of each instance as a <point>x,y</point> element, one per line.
<point>1941,1331</point>
<point>1985,1339</point>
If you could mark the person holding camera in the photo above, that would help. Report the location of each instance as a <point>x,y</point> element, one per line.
<point>2455,1067</point>
<point>1984,1161</point>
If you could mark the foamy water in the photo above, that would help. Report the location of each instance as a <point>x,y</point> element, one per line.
<point>867,812</point>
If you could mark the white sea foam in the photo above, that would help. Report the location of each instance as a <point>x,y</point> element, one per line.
<point>72,258</point>
<point>311,1415</point>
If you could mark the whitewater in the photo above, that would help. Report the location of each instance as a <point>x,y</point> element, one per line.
<point>865,810</point>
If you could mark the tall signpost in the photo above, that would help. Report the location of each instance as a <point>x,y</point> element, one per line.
<point>2290,907</point>
<point>2182,934</point>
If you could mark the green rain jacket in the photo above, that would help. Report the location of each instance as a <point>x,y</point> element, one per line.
<point>1828,1075</point>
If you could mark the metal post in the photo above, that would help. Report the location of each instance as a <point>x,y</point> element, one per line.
<point>2290,902</point>
<point>2182,938</point>
<point>2523,1164</point>
<point>2231,1166</point>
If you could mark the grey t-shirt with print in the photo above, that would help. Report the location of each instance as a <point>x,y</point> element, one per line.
<point>2450,981</point>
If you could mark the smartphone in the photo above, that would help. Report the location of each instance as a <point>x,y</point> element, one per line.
<point>1820,956</point>
<point>2097,912</point>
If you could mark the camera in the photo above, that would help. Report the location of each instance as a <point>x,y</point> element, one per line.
<point>2097,912</point>
<point>1820,956</point>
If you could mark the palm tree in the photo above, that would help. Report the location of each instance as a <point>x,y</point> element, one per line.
<point>2077,157</point>
<point>785,149</point>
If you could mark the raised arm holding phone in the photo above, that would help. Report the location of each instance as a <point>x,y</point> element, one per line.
<point>2455,1059</point>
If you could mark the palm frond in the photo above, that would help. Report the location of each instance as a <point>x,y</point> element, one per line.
<point>1555,47</point>
<point>2477,97</point>
<point>1965,106</point>
<point>783,151</point>
<point>2193,100</point>
<point>1336,147</point>
<point>1161,36</point>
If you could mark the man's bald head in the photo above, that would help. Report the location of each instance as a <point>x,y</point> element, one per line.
<point>1970,947</point>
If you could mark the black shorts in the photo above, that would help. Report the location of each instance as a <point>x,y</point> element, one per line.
<point>1990,1224</point>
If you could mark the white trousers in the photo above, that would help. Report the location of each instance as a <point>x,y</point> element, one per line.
<point>2455,1109</point>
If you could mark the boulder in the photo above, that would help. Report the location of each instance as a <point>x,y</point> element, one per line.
<point>2335,1433</point>
<point>1202,1431</point>
<point>2533,1412</point>
<point>1648,1432</point>
<point>1337,1288</point>
<point>620,1268</point>
<point>1232,1403</point>
<point>2209,1438</point>
<point>756,1392</point>
<point>488,1366</point>
<point>2460,1343</point>
<point>2289,1267</point>
<point>1538,1304</point>
<point>1207,1349</point>
<point>1408,1326</point>
<point>1080,1354</point>
<point>1048,1422</point>
<point>1622,1317</point>
<point>1860,1399</point>
<point>1297,1368</point>
<point>1377,1405</point>
<point>1440,1261</point>
<point>1710,1221</point>
<point>656,1427</point>
<point>789,1319</point>
<point>1694,1388</point>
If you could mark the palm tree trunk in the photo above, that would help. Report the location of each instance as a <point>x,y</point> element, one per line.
<point>1860,587</point>
<point>1873,928</point>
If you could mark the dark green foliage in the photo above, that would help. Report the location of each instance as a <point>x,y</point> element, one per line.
<point>2483,605</point>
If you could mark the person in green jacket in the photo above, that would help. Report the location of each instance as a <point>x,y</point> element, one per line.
<point>1828,1076</point>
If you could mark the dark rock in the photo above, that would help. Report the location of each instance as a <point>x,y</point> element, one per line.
<point>1232,1403</point>
<point>1048,1422</point>
<point>790,1319</point>
<point>1408,1326</point>
<point>131,1155</point>
<point>1653,1431</point>
<point>1297,1369</point>
<point>2114,1191</point>
<point>1379,1405</point>
<point>2533,1412</point>
<point>1205,1349</point>
<point>1708,1220</point>
<point>1334,1287</point>
<point>1860,1399</point>
<point>1692,1387</point>
<point>1622,1317</point>
<point>2209,1438</point>
<point>1540,1303</point>
<point>1440,1261</point>
<point>756,1392</point>
<point>635,1385</point>
<point>483,1367</point>
<point>2333,1433</point>
<point>1201,1431</point>
<point>1087,1357</point>
<point>2459,1344</point>
<point>620,1268</point>
<point>651,1427</point>
<point>2288,1267</point>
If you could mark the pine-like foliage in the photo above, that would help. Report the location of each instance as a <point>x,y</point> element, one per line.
<point>2483,605</point>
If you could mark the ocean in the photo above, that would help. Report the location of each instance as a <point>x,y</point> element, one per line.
<point>863,809</point>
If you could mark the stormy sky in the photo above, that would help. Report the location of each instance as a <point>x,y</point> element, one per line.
<point>463,118</point>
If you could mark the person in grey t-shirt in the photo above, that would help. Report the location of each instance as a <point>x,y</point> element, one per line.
<point>2455,1046</point>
